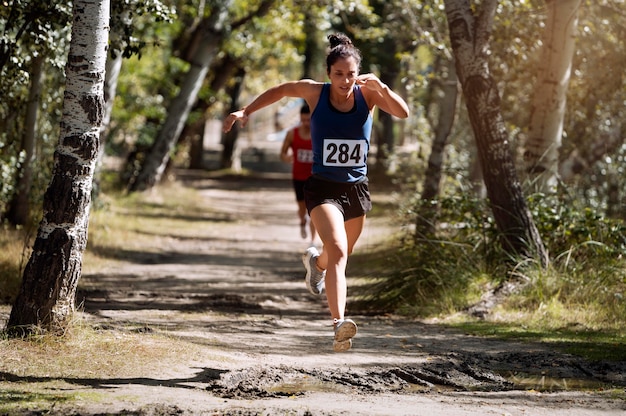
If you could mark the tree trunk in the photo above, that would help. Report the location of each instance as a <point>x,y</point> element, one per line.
<point>48,291</point>
<point>19,208</point>
<point>541,153</point>
<point>425,224</point>
<point>313,56</point>
<point>115,56</point>
<point>230,153</point>
<point>386,139</point>
<point>223,72</point>
<point>469,36</point>
<point>209,37</point>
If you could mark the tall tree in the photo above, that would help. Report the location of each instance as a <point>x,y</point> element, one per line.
<point>541,153</point>
<point>19,208</point>
<point>222,70</point>
<point>127,37</point>
<point>47,294</point>
<point>205,46</point>
<point>469,37</point>
<point>447,104</point>
<point>231,158</point>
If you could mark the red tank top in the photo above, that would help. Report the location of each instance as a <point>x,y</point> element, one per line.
<point>302,156</point>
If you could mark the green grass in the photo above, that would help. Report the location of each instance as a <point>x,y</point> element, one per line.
<point>43,371</point>
<point>576,305</point>
<point>603,344</point>
<point>37,400</point>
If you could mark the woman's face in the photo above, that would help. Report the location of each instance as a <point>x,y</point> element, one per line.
<point>343,74</point>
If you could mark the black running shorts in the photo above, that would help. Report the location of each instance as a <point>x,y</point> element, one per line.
<point>298,187</point>
<point>352,199</point>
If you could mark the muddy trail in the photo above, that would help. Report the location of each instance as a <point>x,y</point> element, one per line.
<point>237,290</point>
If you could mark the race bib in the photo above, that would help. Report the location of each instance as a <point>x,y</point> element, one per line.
<point>304,156</point>
<point>344,153</point>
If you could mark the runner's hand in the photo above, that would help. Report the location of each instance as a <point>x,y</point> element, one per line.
<point>371,82</point>
<point>232,118</point>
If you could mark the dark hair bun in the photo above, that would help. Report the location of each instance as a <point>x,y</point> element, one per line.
<point>339,39</point>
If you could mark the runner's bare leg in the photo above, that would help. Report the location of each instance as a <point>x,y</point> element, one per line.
<point>338,239</point>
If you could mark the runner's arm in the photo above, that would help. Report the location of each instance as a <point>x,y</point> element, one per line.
<point>306,88</point>
<point>382,96</point>
<point>284,156</point>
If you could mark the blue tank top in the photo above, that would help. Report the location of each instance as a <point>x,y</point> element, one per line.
<point>341,140</point>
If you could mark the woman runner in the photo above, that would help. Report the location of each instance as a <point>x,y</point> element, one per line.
<point>336,195</point>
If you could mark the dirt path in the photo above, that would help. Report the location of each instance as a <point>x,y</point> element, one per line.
<point>237,290</point>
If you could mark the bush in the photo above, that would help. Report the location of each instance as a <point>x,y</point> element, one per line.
<point>448,271</point>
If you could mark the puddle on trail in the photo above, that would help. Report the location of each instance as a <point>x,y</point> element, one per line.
<point>300,387</point>
<point>548,384</point>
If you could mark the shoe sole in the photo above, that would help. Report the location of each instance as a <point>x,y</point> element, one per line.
<point>342,346</point>
<point>345,331</point>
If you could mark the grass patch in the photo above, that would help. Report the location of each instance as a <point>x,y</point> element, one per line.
<point>94,355</point>
<point>14,252</point>
<point>121,227</point>
<point>126,226</point>
<point>42,371</point>
<point>577,307</point>
<point>577,304</point>
<point>417,283</point>
<point>604,344</point>
<point>37,400</point>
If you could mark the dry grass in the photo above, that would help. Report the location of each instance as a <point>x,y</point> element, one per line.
<point>129,222</point>
<point>14,252</point>
<point>87,353</point>
<point>33,369</point>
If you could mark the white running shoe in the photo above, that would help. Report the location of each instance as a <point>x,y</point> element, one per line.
<point>314,278</point>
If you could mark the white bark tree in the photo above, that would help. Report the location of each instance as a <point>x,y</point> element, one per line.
<point>545,131</point>
<point>47,295</point>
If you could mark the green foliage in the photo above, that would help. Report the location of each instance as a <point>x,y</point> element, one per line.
<point>429,279</point>
<point>29,29</point>
<point>578,233</point>
<point>442,274</point>
<point>133,25</point>
<point>445,273</point>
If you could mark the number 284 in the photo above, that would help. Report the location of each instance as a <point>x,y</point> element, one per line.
<point>343,153</point>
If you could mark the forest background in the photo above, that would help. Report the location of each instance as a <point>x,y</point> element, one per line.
<point>175,68</point>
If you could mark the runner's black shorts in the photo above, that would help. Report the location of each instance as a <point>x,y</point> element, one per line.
<point>298,186</point>
<point>352,199</point>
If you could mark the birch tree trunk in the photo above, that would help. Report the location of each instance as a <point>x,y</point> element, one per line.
<point>113,68</point>
<point>541,153</point>
<point>47,295</point>
<point>469,36</point>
